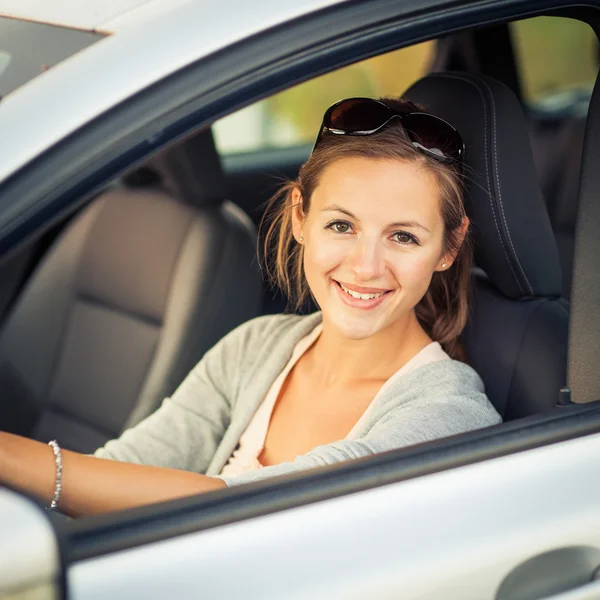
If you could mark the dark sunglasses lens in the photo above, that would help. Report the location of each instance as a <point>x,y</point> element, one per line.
<point>360,114</point>
<point>434,135</point>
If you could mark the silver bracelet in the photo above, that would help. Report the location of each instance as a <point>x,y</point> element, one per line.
<point>58,459</point>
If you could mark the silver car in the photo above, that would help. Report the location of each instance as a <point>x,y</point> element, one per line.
<point>95,94</point>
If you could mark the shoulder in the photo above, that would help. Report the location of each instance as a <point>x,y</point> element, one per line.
<point>446,376</point>
<point>271,329</point>
<point>451,375</point>
<point>262,340</point>
<point>444,387</point>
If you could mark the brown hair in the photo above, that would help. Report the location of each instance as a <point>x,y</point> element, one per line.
<point>443,310</point>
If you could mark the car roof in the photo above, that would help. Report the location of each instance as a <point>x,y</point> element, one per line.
<point>115,68</point>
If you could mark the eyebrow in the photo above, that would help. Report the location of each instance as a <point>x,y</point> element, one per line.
<point>335,207</point>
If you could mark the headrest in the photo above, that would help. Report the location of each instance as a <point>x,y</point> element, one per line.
<point>191,170</point>
<point>513,239</point>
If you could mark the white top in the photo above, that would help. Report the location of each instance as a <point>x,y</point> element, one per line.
<point>252,441</point>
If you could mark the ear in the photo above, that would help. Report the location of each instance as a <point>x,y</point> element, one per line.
<point>446,261</point>
<point>298,215</point>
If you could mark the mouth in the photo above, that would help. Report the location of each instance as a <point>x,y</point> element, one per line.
<point>359,297</point>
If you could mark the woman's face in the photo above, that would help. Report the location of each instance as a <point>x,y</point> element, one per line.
<point>372,239</point>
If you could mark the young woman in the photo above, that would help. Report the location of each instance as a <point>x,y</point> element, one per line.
<point>374,229</point>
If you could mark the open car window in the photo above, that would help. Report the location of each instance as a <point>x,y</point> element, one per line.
<point>292,117</point>
<point>300,106</point>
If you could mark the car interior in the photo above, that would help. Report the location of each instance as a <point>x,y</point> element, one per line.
<point>138,286</point>
<point>122,299</point>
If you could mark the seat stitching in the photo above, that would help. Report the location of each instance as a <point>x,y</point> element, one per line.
<point>123,312</point>
<point>458,77</point>
<point>500,188</point>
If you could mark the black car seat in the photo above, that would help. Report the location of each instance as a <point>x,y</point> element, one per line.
<point>558,147</point>
<point>517,333</point>
<point>134,291</point>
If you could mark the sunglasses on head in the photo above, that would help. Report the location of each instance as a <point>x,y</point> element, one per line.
<point>365,116</point>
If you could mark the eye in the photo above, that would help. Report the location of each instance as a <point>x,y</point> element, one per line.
<point>403,237</point>
<point>339,226</point>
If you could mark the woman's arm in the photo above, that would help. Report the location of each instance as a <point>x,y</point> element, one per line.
<point>406,425</point>
<point>92,485</point>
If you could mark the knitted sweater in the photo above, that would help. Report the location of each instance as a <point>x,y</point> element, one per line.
<point>199,427</point>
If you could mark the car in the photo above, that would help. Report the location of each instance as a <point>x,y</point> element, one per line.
<point>98,98</point>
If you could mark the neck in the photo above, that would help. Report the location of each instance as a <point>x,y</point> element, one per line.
<point>335,358</point>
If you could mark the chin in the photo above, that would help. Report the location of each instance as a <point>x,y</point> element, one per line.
<point>354,328</point>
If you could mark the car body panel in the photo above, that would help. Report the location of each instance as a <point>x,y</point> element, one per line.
<point>455,534</point>
<point>29,551</point>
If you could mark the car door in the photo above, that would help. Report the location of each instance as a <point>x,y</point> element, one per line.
<point>447,522</point>
<point>510,512</point>
<point>507,512</point>
<point>31,564</point>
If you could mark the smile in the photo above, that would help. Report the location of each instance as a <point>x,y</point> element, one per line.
<point>362,296</point>
<point>365,299</point>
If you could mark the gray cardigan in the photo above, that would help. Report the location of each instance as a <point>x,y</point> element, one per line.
<point>199,427</point>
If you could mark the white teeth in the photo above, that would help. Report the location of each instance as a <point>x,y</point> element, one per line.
<point>361,296</point>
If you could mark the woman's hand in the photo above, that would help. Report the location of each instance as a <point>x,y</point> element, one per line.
<point>92,485</point>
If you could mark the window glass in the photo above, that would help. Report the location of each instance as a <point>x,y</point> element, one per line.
<point>28,49</point>
<point>293,116</point>
<point>557,58</point>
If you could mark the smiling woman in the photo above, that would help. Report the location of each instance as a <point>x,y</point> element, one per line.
<point>383,208</point>
<point>374,229</point>
<point>372,255</point>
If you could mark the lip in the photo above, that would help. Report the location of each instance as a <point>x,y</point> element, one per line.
<point>360,289</point>
<point>348,300</point>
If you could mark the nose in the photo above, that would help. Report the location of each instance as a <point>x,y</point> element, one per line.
<point>366,259</point>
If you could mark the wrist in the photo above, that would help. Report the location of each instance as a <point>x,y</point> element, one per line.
<point>58,480</point>
<point>5,465</point>
<point>27,465</point>
<point>2,457</point>
<point>9,470</point>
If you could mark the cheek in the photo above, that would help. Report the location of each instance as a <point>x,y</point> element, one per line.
<point>322,257</point>
<point>413,271</point>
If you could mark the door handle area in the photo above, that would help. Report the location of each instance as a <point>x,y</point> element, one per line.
<point>589,591</point>
<point>570,573</point>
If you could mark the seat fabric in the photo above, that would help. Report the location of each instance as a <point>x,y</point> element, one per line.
<point>516,337</point>
<point>558,153</point>
<point>132,294</point>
